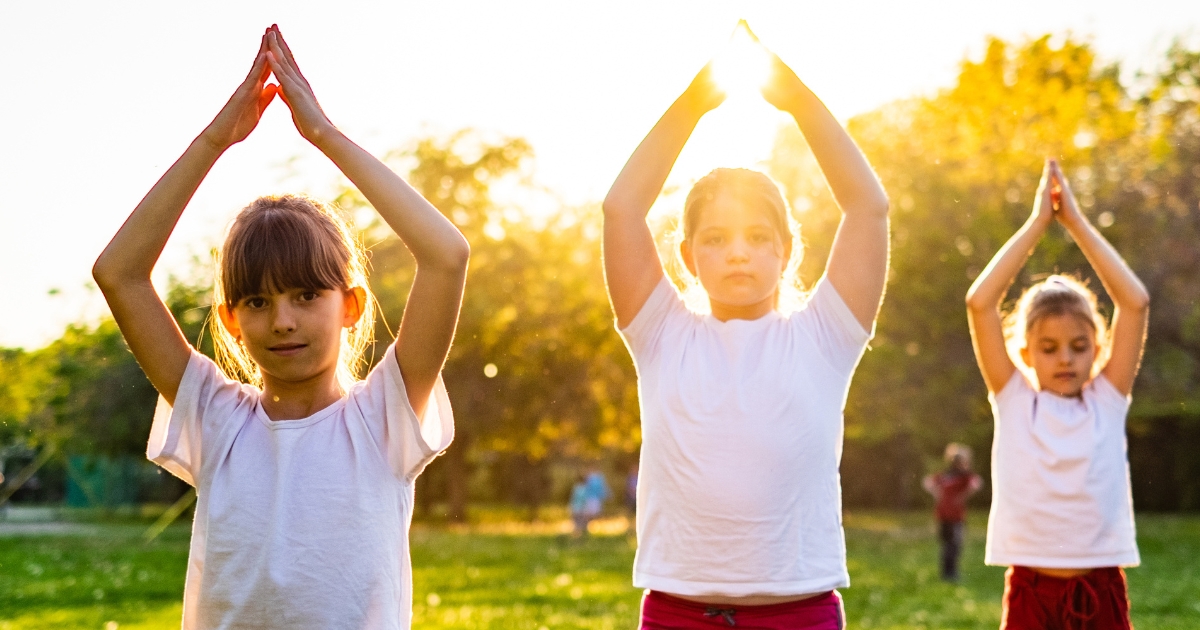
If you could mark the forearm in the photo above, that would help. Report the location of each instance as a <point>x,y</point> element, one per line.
<point>850,177</point>
<point>989,288</point>
<point>1122,285</point>
<point>434,242</point>
<point>132,253</point>
<point>642,178</point>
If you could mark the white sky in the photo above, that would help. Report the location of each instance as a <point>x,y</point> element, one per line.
<point>98,101</point>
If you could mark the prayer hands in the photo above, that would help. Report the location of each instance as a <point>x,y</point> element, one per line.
<point>241,113</point>
<point>310,121</point>
<point>704,94</point>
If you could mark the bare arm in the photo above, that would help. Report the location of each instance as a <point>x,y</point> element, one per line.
<point>631,265</point>
<point>123,269</point>
<point>440,251</point>
<point>988,290</point>
<point>858,261</point>
<point>1131,301</point>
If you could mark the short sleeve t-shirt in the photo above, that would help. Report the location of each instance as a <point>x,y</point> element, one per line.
<point>1061,496</point>
<point>954,487</point>
<point>739,492</point>
<point>299,523</point>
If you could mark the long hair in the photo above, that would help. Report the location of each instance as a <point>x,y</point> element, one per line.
<point>758,191</point>
<point>1055,296</point>
<point>286,242</point>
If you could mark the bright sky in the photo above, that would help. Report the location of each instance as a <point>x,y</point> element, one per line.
<point>99,100</point>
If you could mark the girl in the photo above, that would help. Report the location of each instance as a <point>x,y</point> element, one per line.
<point>305,478</point>
<point>1062,513</point>
<point>739,503</point>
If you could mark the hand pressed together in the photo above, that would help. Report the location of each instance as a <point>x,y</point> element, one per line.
<point>241,113</point>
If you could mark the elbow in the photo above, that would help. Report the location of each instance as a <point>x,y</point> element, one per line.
<point>458,256</point>
<point>1138,300</point>
<point>105,273</point>
<point>976,303</point>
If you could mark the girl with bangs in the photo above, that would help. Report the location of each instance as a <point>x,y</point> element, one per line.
<point>303,473</point>
<point>739,498</point>
<point>1059,382</point>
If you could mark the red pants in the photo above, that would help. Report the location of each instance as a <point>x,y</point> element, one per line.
<point>1094,601</point>
<point>664,612</point>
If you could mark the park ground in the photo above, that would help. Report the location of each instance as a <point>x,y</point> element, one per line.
<point>503,573</point>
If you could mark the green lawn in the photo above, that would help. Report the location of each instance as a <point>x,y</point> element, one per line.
<point>511,576</point>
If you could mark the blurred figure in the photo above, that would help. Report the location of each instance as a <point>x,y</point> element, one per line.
<point>587,499</point>
<point>950,488</point>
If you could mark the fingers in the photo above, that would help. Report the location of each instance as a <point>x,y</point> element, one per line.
<point>286,55</point>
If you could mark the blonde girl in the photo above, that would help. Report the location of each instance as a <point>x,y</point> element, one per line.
<point>739,499</point>
<point>1059,384</point>
<point>304,476</point>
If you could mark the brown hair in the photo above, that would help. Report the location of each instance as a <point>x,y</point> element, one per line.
<point>1055,296</point>
<point>284,242</point>
<point>759,191</point>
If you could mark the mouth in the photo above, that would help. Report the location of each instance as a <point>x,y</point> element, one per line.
<point>1064,376</point>
<point>287,349</point>
<point>739,276</point>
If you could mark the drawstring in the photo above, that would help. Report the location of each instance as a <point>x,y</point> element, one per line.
<point>725,613</point>
<point>1079,602</point>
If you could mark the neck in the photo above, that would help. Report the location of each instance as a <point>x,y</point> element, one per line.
<point>725,312</point>
<point>291,400</point>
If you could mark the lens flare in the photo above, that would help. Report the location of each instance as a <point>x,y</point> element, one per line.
<point>743,66</point>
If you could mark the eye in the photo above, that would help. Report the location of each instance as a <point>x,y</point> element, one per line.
<point>254,302</point>
<point>760,237</point>
<point>309,296</point>
<point>715,239</point>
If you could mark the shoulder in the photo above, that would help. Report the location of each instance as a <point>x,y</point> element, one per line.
<point>1106,393</point>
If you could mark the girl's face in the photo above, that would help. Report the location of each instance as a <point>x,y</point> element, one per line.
<point>1061,350</point>
<point>738,256</point>
<point>294,336</point>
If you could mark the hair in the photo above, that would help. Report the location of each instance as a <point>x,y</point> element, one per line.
<point>758,191</point>
<point>285,242</point>
<point>1055,296</point>
<point>954,450</point>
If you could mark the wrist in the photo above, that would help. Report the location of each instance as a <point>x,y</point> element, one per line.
<point>323,134</point>
<point>209,145</point>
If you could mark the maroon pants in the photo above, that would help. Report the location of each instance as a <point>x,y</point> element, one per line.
<point>1094,601</point>
<point>664,612</point>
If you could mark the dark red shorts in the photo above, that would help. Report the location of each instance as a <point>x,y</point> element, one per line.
<point>664,612</point>
<point>1094,601</point>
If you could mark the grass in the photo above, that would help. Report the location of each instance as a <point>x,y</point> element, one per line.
<point>508,575</point>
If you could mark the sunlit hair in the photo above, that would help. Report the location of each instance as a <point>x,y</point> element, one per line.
<point>290,242</point>
<point>1055,296</point>
<point>955,450</point>
<point>758,191</point>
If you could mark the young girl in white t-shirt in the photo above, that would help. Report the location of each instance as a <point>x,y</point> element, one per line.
<point>304,474</point>
<point>1059,383</point>
<point>739,498</point>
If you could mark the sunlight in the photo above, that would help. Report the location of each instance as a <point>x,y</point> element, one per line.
<point>743,66</point>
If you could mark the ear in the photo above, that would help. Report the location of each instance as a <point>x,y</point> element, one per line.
<point>1025,356</point>
<point>354,302</point>
<point>229,320</point>
<point>685,252</point>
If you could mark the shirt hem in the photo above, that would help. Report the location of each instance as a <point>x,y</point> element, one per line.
<point>739,589</point>
<point>1092,562</point>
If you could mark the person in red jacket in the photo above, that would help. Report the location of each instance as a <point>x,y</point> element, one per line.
<point>950,488</point>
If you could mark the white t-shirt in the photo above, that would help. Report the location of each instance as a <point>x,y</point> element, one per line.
<point>299,523</point>
<point>739,492</point>
<point>1061,493</point>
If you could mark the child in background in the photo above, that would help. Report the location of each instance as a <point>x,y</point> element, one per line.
<point>304,477</point>
<point>1059,384</point>
<point>951,488</point>
<point>739,500</point>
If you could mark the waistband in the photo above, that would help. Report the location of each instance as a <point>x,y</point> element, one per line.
<point>821,599</point>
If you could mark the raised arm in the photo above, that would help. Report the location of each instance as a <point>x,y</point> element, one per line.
<point>440,251</point>
<point>631,265</point>
<point>123,269</point>
<point>1131,301</point>
<point>988,290</point>
<point>858,261</point>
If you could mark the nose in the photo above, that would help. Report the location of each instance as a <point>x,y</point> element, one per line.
<point>739,250</point>
<point>283,320</point>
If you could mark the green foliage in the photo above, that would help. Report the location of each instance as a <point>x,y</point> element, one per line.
<point>466,578</point>
<point>538,371</point>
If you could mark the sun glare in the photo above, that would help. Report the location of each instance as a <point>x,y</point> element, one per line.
<point>742,67</point>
